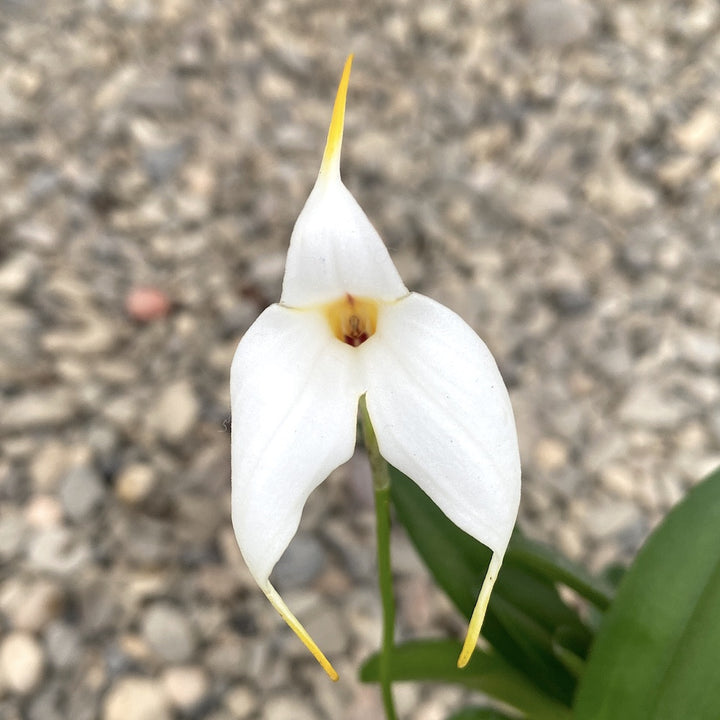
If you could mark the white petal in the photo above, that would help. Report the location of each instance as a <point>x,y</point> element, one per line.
<point>294,397</point>
<point>334,250</point>
<point>443,417</point>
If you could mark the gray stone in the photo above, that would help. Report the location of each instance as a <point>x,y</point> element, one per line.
<point>702,349</point>
<point>92,336</point>
<point>647,406</point>
<point>168,632</point>
<point>42,184</point>
<point>359,478</point>
<point>30,605</point>
<point>289,707</point>
<point>17,274</point>
<point>162,161</point>
<point>328,628</point>
<point>556,23</point>
<point>47,704</point>
<point>301,563</point>
<point>84,702</point>
<point>18,342</point>
<point>542,204</point>
<point>81,492</point>
<point>635,258</point>
<point>175,412</point>
<point>356,557</point>
<point>149,542</point>
<point>185,687</point>
<point>241,701</point>
<point>30,410</point>
<point>12,534</point>
<point>21,662</point>
<point>158,96</point>
<point>49,464</point>
<point>612,188</point>
<point>63,645</point>
<point>610,518</point>
<point>57,551</point>
<point>231,656</point>
<point>136,698</point>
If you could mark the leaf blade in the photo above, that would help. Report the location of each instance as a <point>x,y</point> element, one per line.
<point>487,672</point>
<point>664,623</point>
<point>458,563</point>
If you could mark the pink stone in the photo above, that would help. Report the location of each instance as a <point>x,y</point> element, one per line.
<point>146,304</point>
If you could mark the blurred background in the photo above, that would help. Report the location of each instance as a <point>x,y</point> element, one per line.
<point>550,169</point>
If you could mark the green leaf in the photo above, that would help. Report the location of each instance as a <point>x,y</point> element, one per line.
<point>487,672</point>
<point>479,713</point>
<point>569,650</point>
<point>657,653</point>
<point>525,609</point>
<point>555,567</point>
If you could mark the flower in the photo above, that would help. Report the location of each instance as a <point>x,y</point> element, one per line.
<point>345,326</point>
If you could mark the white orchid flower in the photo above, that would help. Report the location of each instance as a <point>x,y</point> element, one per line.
<point>345,326</point>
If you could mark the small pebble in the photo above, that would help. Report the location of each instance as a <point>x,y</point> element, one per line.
<point>175,412</point>
<point>145,304</point>
<point>168,632</point>
<point>21,662</point>
<point>135,483</point>
<point>288,708</point>
<point>185,686</point>
<point>556,23</point>
<point>551,454</point>
<point>136,698</point>
<point>63,644</point>
<point>30,605</point>
<point>81,492</point>
<point>301,563</point>
<point>43,511</point>
<point>241,701</point>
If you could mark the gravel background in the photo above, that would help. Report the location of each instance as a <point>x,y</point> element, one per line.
<point>550,169</point>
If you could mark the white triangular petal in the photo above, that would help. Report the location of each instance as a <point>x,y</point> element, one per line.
<point>334,250</point>
<point>294,395</point>
<point>443,417</point>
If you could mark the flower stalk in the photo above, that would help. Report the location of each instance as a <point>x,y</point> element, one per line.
<point>381,485</point>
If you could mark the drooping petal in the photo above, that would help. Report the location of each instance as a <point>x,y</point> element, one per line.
<point>442,416</point>
<point>294,396</point>
<point>334,249</point>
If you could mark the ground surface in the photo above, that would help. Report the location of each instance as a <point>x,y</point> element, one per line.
<point>548,170</point>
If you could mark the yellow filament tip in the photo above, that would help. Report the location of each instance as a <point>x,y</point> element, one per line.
<point>331,157</point>
<point>279,604</point>
<point>476,621</point>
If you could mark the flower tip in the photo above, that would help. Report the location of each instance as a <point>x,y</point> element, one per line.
<point>279,604</point>
<point>331,157</point>
<point>478,616</point>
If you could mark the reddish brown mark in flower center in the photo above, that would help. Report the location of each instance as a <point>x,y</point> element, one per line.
<point>353,320</point>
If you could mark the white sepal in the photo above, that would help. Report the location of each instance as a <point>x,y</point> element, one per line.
<point>442,416</point>
<point>334,250</point>
<point>294,399</point>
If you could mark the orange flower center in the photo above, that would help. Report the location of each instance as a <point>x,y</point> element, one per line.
<point>353,320</point>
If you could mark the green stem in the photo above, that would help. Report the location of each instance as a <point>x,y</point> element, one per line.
<point>381,484</point>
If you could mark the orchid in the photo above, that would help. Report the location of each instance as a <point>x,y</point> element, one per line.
<point>347,327</point>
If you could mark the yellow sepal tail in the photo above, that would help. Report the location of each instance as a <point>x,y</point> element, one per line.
<point>279,604</point>
<point>476,621</point>
<point>331,156</point>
